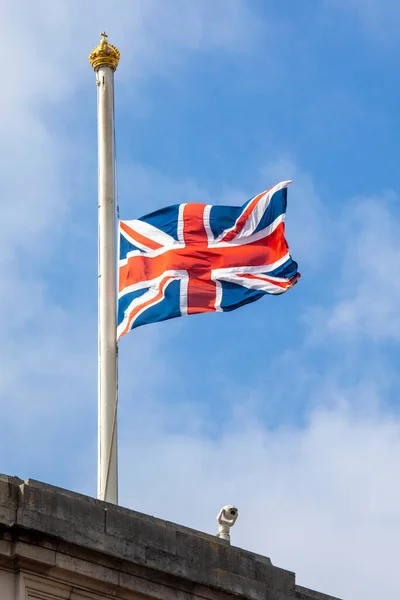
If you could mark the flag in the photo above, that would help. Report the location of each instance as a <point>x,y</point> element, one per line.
<point>196,258</point>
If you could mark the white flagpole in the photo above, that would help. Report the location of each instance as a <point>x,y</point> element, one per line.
<point>104,60</point>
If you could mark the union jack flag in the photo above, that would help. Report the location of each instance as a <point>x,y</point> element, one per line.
<point>195,258</point>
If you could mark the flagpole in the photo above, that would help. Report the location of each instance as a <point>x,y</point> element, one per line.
<point>104,60</point>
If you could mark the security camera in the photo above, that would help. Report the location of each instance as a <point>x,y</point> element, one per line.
<point>226,519</point>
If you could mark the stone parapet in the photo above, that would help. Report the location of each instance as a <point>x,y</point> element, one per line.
<point>79,543</point>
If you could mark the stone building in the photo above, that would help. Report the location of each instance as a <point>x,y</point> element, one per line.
<point>55,544</point>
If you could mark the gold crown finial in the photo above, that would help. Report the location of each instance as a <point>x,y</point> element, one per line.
<point>104,55</point>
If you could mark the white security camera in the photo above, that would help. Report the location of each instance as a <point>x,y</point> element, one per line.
<point>226,519</point>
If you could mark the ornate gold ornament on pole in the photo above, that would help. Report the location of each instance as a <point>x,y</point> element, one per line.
<point>104,55</point>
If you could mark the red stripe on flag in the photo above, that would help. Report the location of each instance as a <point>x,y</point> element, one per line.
<point>139,238</point>
<point>201,293</point>
<point>282,284</point>
<point>154,300</point>
<point>194,233</point>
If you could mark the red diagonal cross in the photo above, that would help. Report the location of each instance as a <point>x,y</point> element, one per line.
<point>198,258</point>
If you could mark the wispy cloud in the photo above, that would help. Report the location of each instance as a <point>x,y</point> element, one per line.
<point>314,499</point>
<point>367,292</point>
<point>48,317</point>
<point>306,221</point>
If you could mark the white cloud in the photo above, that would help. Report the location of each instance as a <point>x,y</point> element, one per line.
<point>49,44</point>
<point>50,41</point>
<point>45,344</point>
<point>151,189</point>
<point>321,500</point>
<point>306,233</point>
<point>367,290</point>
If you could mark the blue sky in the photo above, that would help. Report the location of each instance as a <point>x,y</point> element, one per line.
<point>288,407</point>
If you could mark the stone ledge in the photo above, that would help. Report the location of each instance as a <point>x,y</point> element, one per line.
<point>306,594</point>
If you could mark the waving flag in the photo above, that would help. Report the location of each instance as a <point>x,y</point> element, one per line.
<point>195,258</point>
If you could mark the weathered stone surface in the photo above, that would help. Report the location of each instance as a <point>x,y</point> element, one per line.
<point>306,594</point>
<point>9,493</point>
<point>110,550</point>
<point>79,520</point>
<point>139,531</point>
<point>276,578</point>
